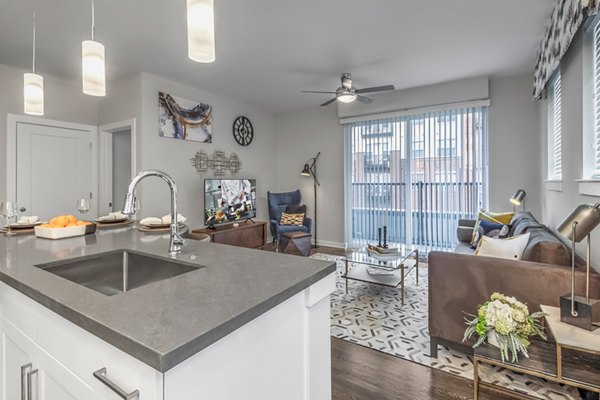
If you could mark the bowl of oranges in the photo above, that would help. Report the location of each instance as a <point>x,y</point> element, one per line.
<point>64,226</point>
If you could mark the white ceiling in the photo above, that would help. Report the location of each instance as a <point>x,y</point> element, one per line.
<point>270,50</point>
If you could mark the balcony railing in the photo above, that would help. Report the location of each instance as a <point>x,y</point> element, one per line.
<point>433,211</point>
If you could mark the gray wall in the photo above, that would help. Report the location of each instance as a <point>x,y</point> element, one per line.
<point>557,205</point>
<point>63,101</point>
<point>513,144</point>
<point>121,167</point>
<point>173,155</point>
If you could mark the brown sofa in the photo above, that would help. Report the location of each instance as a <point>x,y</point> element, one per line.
<point>460,281</point>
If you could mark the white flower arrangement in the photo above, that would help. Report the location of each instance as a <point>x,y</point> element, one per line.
<point>508,321</point>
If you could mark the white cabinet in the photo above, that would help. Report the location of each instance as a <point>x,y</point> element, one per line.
<point>29,373</point>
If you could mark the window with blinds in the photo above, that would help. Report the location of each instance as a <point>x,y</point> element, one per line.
<point>555,128</point>
<point>596,102</point>
<point>417,175</point>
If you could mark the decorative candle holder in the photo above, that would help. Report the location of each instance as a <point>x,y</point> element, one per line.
<point>378,237</point>
<point>385,245</point>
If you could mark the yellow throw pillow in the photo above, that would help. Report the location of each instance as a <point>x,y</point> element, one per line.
<point>291,219</point>
<point>498,218</point>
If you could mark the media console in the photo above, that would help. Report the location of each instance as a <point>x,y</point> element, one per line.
<point>250,234</point>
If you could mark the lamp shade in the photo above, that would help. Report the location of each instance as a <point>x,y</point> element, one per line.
<point>201,30</point>
<point>93,68</point>
<point>306,170</point>
<point>518,197</point>
<point>585,217</point>
<point>33,94</point>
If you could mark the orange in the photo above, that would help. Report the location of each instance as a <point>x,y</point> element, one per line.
<point>73,224</point>
<point>71,219</point>
<point>80,223</point>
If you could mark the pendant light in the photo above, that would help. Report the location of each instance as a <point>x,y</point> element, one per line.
<point>93,64</point>
<point>201,30</point>
<point>33,87</point>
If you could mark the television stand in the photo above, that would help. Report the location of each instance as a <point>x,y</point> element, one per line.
<point>251,235</point>
<point>250,219</point>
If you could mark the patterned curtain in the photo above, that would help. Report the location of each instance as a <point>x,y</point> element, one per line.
<point>566,19</point>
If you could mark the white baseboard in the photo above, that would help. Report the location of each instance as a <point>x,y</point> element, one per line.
<point>331,244</point>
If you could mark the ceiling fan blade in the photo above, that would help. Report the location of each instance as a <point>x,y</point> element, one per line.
<point>316,91</point>
<point>329,102</point>
<point>375,89</point>
<point>364,99</point>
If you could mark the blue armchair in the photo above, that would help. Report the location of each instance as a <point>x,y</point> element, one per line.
<point>279,203</point>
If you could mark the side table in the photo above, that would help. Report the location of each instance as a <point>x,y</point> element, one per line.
<point>574,359</point>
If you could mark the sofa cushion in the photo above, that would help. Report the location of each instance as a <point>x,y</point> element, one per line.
<point>522,222</point>
<point>545,247</point>
<point>489,229</point>
<point>511,248</point>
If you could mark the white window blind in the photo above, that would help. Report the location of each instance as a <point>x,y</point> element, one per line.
<point>555,128</point>
<point>416,175</point>
<point>596,103</point>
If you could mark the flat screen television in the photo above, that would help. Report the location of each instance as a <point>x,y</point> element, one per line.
<point>229,200</point>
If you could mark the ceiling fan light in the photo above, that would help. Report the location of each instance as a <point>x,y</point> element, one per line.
<point>201,30</point>
<point>347,97</point>
<point>33,94</point>
<point>93,68</point>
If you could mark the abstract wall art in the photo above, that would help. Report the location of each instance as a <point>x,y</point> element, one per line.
<point>180,118</point>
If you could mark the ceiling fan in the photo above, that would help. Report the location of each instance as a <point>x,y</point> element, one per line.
<point>348,93</point>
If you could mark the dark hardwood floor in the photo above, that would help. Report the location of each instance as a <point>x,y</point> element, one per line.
<point>359,373</point>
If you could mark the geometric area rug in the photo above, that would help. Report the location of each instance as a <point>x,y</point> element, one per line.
<point>373,316</point>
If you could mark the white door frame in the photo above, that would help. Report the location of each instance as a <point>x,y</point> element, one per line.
<point>11,150</point>
<point>105,133</point>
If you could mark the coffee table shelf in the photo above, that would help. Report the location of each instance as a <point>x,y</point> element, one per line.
<point>394,269</point>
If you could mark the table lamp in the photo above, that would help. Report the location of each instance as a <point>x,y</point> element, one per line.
<point>518,199</point>
<point>578,310</point>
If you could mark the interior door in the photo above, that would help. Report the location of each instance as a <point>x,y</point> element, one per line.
<point>54,168</point>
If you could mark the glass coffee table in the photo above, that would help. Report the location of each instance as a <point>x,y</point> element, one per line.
<point>388,270</point>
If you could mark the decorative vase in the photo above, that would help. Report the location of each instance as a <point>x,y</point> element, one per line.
<point>492,340</point>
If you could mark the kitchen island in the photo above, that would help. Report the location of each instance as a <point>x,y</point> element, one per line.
<point>245,324</point>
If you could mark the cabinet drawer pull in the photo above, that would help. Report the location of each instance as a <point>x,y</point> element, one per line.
<point>29,385</point>
<point>24,371</point>
<point>101,376</point>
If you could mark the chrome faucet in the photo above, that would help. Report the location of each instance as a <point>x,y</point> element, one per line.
<point>176,242</point>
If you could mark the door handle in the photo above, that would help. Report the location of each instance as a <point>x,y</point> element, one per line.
<point>29,385</point>
<point>25,369</point>
<point>22,209</point>
<point>101,376</point>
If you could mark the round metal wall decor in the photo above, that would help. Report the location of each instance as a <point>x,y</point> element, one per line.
<point>243,132</point>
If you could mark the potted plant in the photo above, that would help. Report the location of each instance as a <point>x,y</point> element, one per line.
<point>506,323</point>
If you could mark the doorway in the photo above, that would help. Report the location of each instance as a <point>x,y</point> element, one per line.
<point>117,164</point>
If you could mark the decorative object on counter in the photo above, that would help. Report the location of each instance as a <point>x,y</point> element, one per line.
<point>160,223</point>
<point>506,323</point>
<point>577,310</point>
<point>112,217</point>
<point>64,226</point>
<point>218,163</point>
<point>518,199</point>
<point>179,118</point>
<point>243,131</point>
<point>310,169</point>
<point>201,30</point>
<point>93,63</point>
<point>176,241</point>
<point>33,87</point>
<point>8,210</point>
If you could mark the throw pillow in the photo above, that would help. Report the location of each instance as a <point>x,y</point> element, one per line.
<point>296,209</point>
<point>490,229</point>
<point>291,219</point>
<point>490,216</point>
<point>511,248</point>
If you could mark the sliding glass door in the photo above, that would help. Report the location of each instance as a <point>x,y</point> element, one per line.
<point>417,175</point>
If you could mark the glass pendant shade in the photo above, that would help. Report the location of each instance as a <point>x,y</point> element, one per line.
<point>201,30</point>
<point>33,94</point>
<point>347,97</point>
<point>93,68</point>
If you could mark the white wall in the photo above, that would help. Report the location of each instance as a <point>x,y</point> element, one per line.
<point>63,101</point>
<point>173,155</point>
<point>514,151</point>
<point>556,205</point>
<point>514,147</point>
<point>300,135</point>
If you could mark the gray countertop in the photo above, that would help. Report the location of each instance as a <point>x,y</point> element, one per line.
<point>166,322</point>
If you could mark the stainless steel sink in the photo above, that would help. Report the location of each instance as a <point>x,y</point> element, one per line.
<point>118,271</point>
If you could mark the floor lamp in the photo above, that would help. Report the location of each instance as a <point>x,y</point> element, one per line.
<point>310,169</point>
